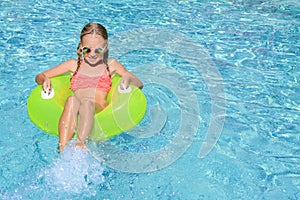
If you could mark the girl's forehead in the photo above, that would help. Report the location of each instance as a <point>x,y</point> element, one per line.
<point>93,40</point>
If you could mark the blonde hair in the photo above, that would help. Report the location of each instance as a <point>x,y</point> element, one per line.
<point>92,28</point>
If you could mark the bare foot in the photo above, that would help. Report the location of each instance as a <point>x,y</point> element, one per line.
<point>60,148</point>
<point>80,144</point>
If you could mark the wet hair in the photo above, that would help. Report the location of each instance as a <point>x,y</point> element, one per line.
<point>92,28</point>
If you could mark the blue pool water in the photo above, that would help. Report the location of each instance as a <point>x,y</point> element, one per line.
<point>222,81</point>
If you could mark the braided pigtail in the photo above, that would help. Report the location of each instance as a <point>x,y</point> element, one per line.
<point>79,58</point>
<point>105,61</point>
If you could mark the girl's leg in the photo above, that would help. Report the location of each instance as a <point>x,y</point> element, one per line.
<point>86,113</point>
<point>68,122</point>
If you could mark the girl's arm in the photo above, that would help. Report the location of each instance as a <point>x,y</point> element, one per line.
<point>44,77</point>
<point>127,77</point>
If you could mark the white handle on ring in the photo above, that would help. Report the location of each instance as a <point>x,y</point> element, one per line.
<point>125,90</point>
<point>46,94</point>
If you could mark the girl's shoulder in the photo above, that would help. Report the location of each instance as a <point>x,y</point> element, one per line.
<point>116,67</point>
<point>111,60</point>
<point>71,64</point>
<point>113,63</point>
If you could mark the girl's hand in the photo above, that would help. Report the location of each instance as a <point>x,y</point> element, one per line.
<point>47,86</point>
<point>125,81</point>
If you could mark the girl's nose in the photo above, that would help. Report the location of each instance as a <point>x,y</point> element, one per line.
<point>93,54</point>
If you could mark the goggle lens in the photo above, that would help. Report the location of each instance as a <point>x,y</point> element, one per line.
<point>86,50</point>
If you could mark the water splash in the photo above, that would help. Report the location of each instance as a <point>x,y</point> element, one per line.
<point>75,173</point>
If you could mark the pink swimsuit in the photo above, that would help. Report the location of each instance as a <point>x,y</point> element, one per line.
<point>80,81</point>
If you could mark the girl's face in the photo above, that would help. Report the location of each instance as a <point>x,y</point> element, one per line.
<point>93,47</point>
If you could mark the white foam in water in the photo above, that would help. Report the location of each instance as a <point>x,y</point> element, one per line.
<point>75,171</point>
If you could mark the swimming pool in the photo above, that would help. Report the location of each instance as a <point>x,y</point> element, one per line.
<point>222,84</point>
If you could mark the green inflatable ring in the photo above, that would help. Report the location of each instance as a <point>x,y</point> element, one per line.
<point>125,110</point>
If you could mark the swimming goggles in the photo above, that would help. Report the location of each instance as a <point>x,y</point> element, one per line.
<point>87,50</point>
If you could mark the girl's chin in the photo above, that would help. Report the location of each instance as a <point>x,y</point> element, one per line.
<point>93,60</point>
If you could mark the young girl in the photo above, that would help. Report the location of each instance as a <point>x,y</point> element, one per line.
<point>91,82</point>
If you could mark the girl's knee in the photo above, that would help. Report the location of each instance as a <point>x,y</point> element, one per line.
<point>87,104</point>
<point>72,104</point>
<point>71,100</point>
